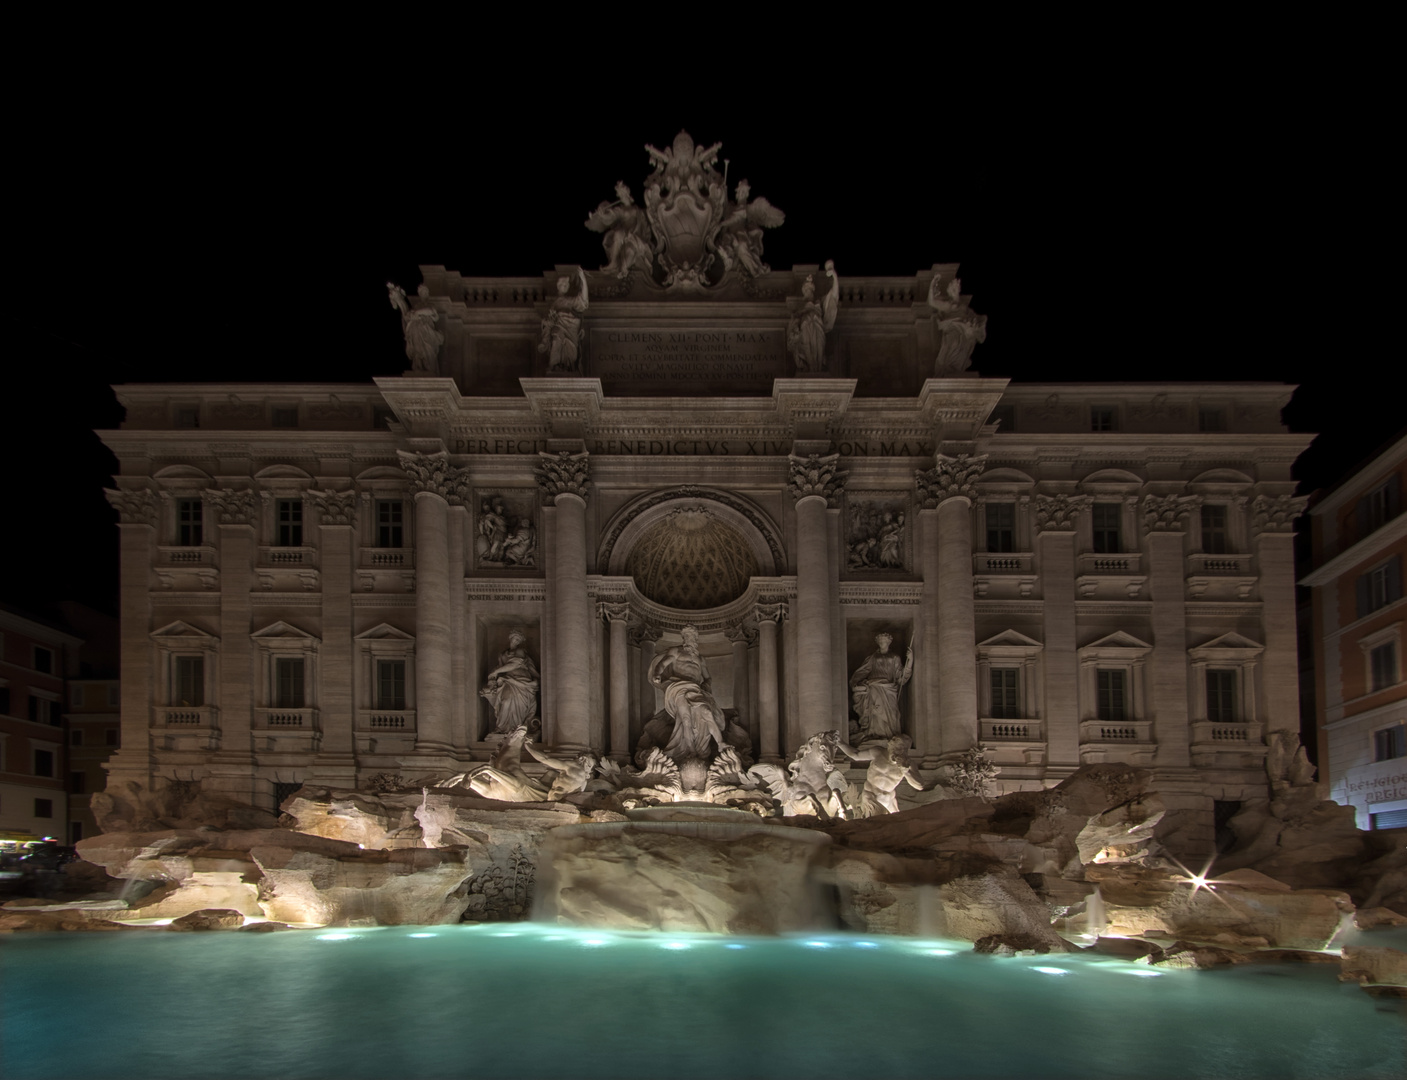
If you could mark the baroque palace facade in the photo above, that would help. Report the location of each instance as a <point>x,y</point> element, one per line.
<point>319,582</point>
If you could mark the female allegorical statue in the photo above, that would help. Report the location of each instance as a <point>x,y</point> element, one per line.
<point>688,698</point>
<point>875,689</point>
<point>512,687</point>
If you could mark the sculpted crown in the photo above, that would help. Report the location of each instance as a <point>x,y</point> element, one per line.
<point>1167,513</point>
<point>815,475</point>
<point>232,506</point>
<point>949,478</point>
<point>1056,513</point>
<point>433,473</point>
<point>134,507</point>
<point>335,507</point>
<point>1276,513</point>
<point>563,473</point>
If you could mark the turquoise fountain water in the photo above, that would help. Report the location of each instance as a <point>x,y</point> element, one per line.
<point>530,1000</point>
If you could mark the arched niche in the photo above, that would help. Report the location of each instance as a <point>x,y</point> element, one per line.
<point>637,518</point>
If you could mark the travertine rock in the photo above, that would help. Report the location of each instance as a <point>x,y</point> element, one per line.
<point>208,919</point>
<point>1373,964</point>
<point>46,921</point>
<point>1375,917</point>
<point>997,904</point>
<point>134,807</point>
<point>882,893</point>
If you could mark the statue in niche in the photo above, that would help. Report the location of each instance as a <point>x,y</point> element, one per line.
<point>503,777</point>
<point>561,329</point>
<point>520,548</point>
<point>493,527</point>
<point>422,340</point>
<point>875,688</point>
<point>812,783</point>
<point>688,698</point>
<point>573,771</point>
<point>511,688</point>
<point>876,540</point>
<point>627,239</point>
<point>740,237</point>
<point>889,767</point>
<point>806,333</point>
<point>957,327</point>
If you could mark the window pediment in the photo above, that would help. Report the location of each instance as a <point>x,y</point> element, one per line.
<point>385,632</point>
<point>282,632</point>
<point>1228,647</point>
<point>180,632</point>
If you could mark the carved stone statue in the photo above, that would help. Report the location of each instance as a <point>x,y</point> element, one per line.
<point>806,333</point>
<point>812,783</point>
<point>875,688</point>
<point>573,771</point>
<point>688,698</point>
<point>493,527</point>
<point>561,329</point>
<point>422,340</point>
<point>503,777</point>
<point>876,539</point>
<point>740,238</point>
<point>684,200</point>
<point>627,239</point>
<point>957,328</point>
<point>889,767</point>
<point>520,548</point>
<point>511,688</point>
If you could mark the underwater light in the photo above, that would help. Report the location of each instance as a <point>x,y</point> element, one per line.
<point>734,945</point>
<point>817,944</point>
<point>676,945</point>
<point>337,937</point>
<point>1051,970</point>
<point>508,933</point>
<point>422,935</point>
<point>866,944</point>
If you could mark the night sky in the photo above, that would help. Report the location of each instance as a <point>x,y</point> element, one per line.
<point>1131,235</point>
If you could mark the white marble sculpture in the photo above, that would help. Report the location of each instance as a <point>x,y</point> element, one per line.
<point>688,698</point>
<point>572,771</point>
<point>511,687</point>
<point>806,333</point>
<point>561,329</point>
<point>740,237</point>
<point>627,234</point>
<point>503,778</point>
<point>875,688</point>
<point>812,784</point>
<point>957,328</point>
<point>889,767</point>
<point>422,340</point>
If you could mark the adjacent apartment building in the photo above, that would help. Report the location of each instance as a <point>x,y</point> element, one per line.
<point>1359,542</point>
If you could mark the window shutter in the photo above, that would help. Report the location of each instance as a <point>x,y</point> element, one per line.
<point>1394,579</point>
<point>1364,596</point>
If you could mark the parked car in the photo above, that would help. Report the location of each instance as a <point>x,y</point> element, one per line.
<point>48,857</point>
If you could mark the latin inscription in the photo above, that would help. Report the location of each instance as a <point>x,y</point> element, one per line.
<point>666,356</point>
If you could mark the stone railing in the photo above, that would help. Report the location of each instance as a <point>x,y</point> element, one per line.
<point>186,716</point>
<point>987,562</point>
<point>1205,731</point>
<point>288,556</point>
<point>1116,731</point>
<point>1117,563</point>
<point>1212,565</point>
<point>1011,731</point>
<point>306,719</point>
<point>502,291</point>
<point>174,555</point>
<point>377,558</point>
<point>397,720</point>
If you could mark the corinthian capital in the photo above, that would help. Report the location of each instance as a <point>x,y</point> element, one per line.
<point>771,612</point>
<point>1056,513</point>
<point>334,507</point>
<point>1276,513</point>
<point>563,473</point>
<point>610,611</point>
<point>949,478</point>
<point>232,506</point>
<point>815,475</point>
<point>434,473</point>
<point>138,507</point>
<point>1167,513</point>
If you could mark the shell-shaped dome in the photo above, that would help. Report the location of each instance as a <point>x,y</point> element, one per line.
<point>691,560</point>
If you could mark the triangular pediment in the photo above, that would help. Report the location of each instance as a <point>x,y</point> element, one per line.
<point>384,632</point>
<point>180,629</point>
<point>282,631</point>
<point>1230,640</point>
<point>1118,640</point>
<point>1009,638</point>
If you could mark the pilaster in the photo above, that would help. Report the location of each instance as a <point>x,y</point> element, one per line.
<point>1164,523</point>
<point>1272,525</point>
<point>616,617</point>
<point>434,480</point>
<point>814,483</point>
<point>232,766</point>
<point>138,513</point>
<point>564,479</point>
<point>1055,519</point>
<point>336,763</point>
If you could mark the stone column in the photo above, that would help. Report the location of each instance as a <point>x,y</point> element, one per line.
<point>643,637</point>
<point>336,762</point>
<point>815,484</point>
<point>138,515</point>
<point>949,488</point>
<point>617,616</point>
<point>564,478</point>
<point>742,696</point>
<point>1164,522</point>
<point>768,719</point>
<point>1056,520</point>
<point>460,688</point>
<point>928,730</point>
<point>1272,524</point>
<point>232,765</point>
<point>433,480</point>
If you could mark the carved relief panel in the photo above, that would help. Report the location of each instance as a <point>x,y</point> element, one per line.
<point>505,523</point>
<point>878,533</point>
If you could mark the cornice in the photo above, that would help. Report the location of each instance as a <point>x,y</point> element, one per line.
<point>1374,543</point>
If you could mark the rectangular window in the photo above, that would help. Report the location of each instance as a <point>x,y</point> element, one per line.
<point>43,763</point>
<point>188,679</point>
<point>1214,537</point>
<point>1379,587</point>
<point>1005,697</point>
<point>43,660</point>
<point>1211,418</point>
<point>1382,663</point>
<point>389,523</point>
<point>4,701</point>
<point>1113,698</point>
<point>188,416</point>
<point>190,519</point>
<point>75,695</point>
<point>42,711</point>
<point>1108,522</point>
<point>285,417</point>
<point>1378,507</point>
<point>44,808</point>
<point>1101,418</point>
<point>290,522</point>
<point>1001,527</point>
<point>1390,743</point>
<point>112,737</point>
<point>390,684</point>
<point>288,682</point>
<point>1221,697</point>
<point>114,696</point>
<point>75,832</point>
<point>78,783</point>
<point>75,737</point>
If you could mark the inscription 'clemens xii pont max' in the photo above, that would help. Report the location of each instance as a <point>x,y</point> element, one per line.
<point>689,356</point>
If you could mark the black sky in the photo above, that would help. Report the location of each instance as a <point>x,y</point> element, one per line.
<point>1211,228</point>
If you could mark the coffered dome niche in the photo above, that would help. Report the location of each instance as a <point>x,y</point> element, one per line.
<point>691,560</point>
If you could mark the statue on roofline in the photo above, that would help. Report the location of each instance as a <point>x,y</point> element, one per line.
<point>627,234</point>
<point>422,340</point>
<point>956,326</point>
<point>812,320</point>
<point>561,329</point>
